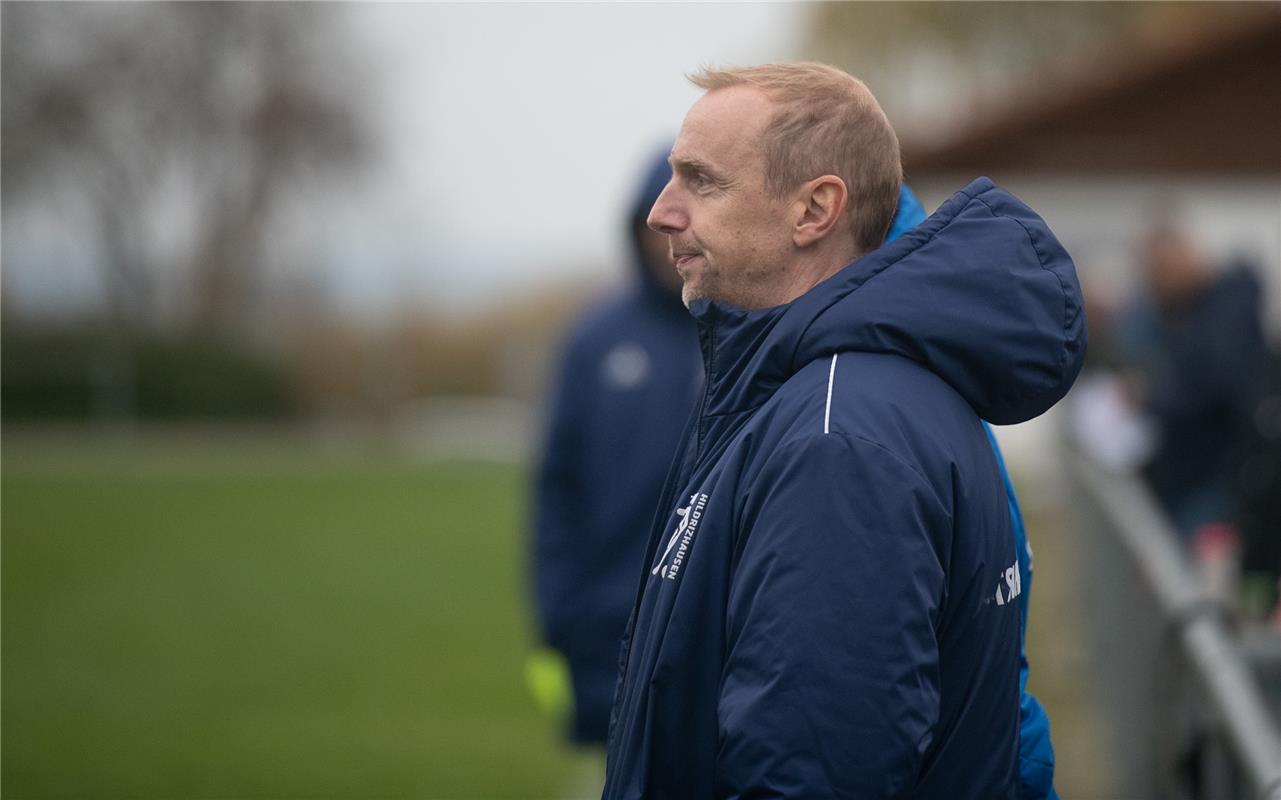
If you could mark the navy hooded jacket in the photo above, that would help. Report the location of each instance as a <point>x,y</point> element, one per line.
<point>1036,752</point>
<point>829,606</point>
<point>628,379</point>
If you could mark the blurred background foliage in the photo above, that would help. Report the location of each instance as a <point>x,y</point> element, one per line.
<point>188,145</point>
<point>174,136</point>
<point>129,109</point>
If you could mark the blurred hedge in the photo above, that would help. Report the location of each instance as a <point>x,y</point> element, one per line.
<point>83,373</point>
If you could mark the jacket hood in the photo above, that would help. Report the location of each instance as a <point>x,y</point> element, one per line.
<point>981,293</point>
<point>656,177</point>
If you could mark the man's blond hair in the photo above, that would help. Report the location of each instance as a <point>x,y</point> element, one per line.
<point>827,123</point>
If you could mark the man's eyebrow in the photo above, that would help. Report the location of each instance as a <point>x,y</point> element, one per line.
<point>690,166</point>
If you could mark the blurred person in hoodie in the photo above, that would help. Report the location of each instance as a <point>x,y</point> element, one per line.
<point>628,378</point>
<point>1198,350</point>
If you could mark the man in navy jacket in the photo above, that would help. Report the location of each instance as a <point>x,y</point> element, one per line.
<point>610,440</point>
<point>829,605</point>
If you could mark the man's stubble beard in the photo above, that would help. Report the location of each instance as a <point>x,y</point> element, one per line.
<point>749,289</point>
<point>701,286</point>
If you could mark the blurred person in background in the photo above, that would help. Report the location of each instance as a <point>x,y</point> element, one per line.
<point>628,379</point>
<point>1197,348</point>
<point>807,651</point>
<point>1258,496</point>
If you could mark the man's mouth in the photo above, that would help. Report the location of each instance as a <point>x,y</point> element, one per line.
<point>684,258</point>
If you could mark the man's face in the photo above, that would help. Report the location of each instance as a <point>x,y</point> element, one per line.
<point>730,237</point>
<point>1171,265</point>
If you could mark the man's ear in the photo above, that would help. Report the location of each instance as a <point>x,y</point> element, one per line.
<point>821,204</point>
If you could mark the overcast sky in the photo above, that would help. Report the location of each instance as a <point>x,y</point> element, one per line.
<point>515,136</point>
<point>508,142</point>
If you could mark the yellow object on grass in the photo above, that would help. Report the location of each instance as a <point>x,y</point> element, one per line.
<point>547,677</point>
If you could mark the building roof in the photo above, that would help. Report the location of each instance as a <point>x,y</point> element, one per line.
<point>1208,105</point>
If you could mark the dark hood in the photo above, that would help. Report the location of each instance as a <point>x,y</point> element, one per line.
<point>981,293</point>
<point>655,178</point>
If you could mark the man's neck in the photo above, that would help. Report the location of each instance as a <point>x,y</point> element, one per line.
<point>810,270</point>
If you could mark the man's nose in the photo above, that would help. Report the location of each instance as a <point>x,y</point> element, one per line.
<point>667,216</point>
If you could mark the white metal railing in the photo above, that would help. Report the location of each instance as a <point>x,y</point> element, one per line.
<point>1191,718</point>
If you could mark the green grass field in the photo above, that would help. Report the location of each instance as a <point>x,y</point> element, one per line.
<point>231,617</point>
<point>186,623</point>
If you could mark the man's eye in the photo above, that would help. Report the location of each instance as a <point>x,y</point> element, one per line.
<point>699,181</point>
